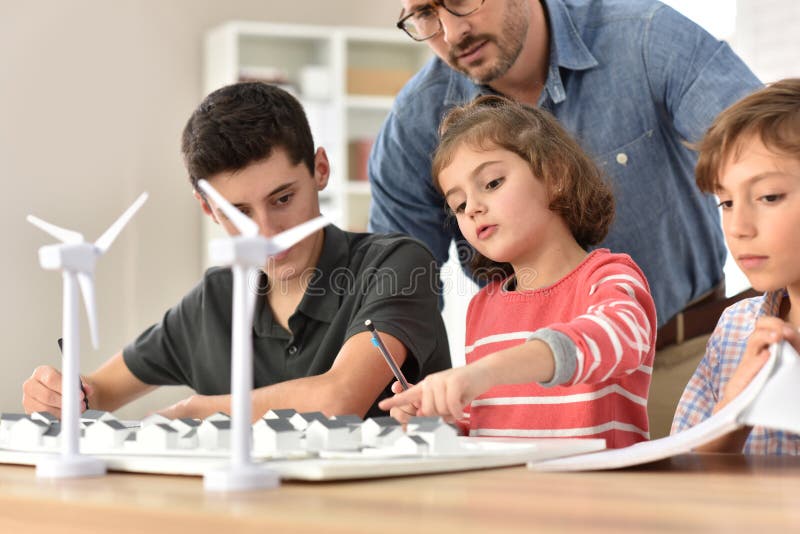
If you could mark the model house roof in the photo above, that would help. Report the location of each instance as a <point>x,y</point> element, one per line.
<point>277,425</point>
<point>349,419</point>
<point>283,413</point>
<point>381,422</point>
<point>47,417</point>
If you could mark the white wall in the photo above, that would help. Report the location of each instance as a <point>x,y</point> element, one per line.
<point>93,97</point>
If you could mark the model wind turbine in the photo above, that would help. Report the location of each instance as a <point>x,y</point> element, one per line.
<point>246,253</point>
<point>76,259</point>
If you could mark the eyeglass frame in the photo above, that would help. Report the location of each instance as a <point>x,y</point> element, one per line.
<point>401,23</point>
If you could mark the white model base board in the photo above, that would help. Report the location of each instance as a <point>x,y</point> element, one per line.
<point>476,453</point>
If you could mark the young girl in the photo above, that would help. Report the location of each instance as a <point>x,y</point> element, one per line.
<point>560,342</point>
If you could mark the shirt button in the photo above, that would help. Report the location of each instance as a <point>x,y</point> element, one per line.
<point>622,158</point>
<point>292,350</point>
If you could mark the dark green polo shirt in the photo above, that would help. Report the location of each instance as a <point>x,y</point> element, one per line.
<point>388,279</point>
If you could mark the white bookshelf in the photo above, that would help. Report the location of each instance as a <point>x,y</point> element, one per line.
<point>345,77</point>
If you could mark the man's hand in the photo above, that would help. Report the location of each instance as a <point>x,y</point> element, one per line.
<point>42,391</point>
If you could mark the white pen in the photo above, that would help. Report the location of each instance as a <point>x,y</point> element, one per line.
<point>376,340</point>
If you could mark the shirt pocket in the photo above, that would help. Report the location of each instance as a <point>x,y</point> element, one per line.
<point>638,184</point>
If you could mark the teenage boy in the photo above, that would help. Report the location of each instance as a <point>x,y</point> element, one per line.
<point>312,352</point>
<point>750,158</point>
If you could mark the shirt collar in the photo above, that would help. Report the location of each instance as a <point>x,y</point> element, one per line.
<point>567,51</point>
<point>319,302</point>
<point>771,306</point>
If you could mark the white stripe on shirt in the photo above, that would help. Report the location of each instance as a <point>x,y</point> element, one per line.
<point>497,338</point>
<point>563,399</point>
<point>558,432</point>
<point>627,277</point>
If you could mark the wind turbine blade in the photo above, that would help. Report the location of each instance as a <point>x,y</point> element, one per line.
<point>296,234</point>
<point>62,234</point>
<point>108,237</point>
<point>86,282</point>
<point>246,226</point>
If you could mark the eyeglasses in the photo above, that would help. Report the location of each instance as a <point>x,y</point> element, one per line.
<point>424,22</point>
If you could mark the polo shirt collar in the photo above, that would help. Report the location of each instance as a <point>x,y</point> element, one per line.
<point>567,50</point>
<point>321,301</point>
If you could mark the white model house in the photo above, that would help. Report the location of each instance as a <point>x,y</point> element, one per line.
<point>27,433</point>
<point>188,440</point>
<point>106,434</point>
<point>374,426</point>
<point>441,437</point>
<point>184,425</point>
<point>45,417</point>
<point>353,422</point>
<point>275,436</point>
<point>7,420</point>
<point>213,434</point>
<point>328,435</point>
<point>285,413</point>
<point>388,436</point>
<point>52,438</point>
<point>156,437</point>
<point>92,416</point>
<point>410,445</point>
<point>302,420</point>
<point>155,419</point>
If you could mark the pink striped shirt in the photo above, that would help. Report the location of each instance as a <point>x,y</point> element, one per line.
<point>605,309</point>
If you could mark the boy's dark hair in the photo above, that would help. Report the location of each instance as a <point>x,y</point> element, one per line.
<point>241,124</point>
<point>771,113</point>
<point>575,187</point>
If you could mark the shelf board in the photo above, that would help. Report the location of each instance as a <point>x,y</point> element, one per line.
<point>382,103</point>
<point>358,187</point>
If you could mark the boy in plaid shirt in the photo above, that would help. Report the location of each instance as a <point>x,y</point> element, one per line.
<point>750,158</point>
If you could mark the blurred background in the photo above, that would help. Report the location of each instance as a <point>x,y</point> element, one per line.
<point>93,97</point>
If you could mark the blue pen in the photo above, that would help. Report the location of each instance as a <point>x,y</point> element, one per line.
<point>85,396</point>
<point>376,340</point>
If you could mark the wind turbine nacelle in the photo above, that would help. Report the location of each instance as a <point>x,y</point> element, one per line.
<point>79,257</point>
<point>238,250</point>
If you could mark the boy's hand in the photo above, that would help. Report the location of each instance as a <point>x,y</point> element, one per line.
<point>197,407</point>
<point>445,393</point>
<point>42,391</point>
<point>768,330</point>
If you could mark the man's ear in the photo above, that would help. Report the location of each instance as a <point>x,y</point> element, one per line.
<point>204,205</point>
<point>322,169</point>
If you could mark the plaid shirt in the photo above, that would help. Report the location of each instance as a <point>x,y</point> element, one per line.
<point>724,350</point>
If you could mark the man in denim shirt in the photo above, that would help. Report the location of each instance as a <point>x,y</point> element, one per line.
<point>632,80</point>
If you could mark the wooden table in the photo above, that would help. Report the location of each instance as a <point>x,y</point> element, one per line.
<point>691,492</point>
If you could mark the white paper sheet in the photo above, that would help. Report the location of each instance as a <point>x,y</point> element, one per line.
<point>769,400</point>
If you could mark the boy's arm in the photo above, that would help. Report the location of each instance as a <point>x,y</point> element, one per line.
<point>354,381</point>
<point>113,385</point>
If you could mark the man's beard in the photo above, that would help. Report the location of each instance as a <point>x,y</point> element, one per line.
<point>509,44</point>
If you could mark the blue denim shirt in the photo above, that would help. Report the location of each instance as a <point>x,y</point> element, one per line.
<point>632,80</point>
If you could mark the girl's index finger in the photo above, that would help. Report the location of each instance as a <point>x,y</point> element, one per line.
<point>409,396</point>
